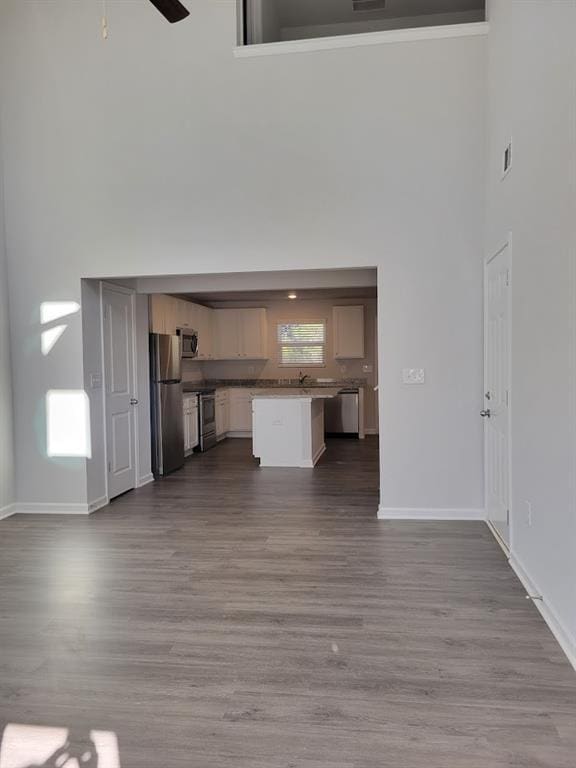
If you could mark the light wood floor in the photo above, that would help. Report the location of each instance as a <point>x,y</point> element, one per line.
<point>232,617</point>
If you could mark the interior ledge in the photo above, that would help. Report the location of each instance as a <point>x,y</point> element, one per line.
<point>366,38</point>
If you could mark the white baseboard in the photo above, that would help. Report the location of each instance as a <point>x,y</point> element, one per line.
<point>318,453</point>
<point>499,540</point>
<point>239,434</point>
<point>7,511</point>
<point>149,478</point>
<point>429,513</point>
<point>48,508</point>
<point>98,504</point>
<point>371,431</point>
<point>565,640</point>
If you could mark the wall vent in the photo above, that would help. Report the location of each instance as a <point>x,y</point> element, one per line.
<point>368,5</point>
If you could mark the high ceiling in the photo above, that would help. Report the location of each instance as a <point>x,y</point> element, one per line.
<point>296,13</point>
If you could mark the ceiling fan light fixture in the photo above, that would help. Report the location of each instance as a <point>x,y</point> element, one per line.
<point>172,10</point>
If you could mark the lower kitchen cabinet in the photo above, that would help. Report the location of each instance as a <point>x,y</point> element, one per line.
<point>191,429</point>
<point>240,410</point>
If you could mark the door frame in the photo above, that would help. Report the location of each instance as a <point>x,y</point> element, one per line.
<point>506,547</point>
<point>105,285</point>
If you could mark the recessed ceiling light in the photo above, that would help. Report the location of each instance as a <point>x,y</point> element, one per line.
<point>292,295</point>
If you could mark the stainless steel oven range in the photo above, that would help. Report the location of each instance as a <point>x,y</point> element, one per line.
<point>207,418</point>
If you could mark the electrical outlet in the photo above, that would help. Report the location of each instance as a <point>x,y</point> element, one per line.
<point>343,369</point>
<point>367,368</point>
<point>413,375</point>
<point>529,513</point>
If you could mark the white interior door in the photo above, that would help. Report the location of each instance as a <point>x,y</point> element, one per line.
<point>496,411</point>
<point>117,308</point>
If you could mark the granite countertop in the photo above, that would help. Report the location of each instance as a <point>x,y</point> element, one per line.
<point>313,393</point>
<point>284,384</point>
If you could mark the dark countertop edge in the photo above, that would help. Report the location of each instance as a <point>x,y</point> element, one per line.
<point>204,386</point>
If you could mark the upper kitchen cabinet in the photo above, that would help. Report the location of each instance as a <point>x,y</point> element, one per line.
<point>164,314</point>
<point>226,334</point>
<point>348,324</point>
<point>240,334</point>
<point>223,334</point>
<point>205,326</point>
<point>168,314</point>
<point>253,327</point>
<point>187,315</point>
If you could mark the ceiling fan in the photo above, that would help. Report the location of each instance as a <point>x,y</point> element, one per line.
<point>172,10</point>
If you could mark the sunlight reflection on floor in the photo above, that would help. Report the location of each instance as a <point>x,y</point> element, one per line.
<point>32,746</point>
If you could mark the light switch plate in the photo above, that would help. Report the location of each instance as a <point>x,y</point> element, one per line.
<point>367,368</point>
<point>413,375</point>
<point>95,381</point>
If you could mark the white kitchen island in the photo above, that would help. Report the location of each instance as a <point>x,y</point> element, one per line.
<point>288,426</point>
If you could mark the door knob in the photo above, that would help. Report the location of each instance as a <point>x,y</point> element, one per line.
<point>133,401</point>
<point>485,414</point>
<point>487,395</point>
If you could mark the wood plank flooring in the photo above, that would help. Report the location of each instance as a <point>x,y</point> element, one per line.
<point>237,617</point>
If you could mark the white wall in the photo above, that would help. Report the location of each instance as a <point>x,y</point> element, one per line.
<point>143,390</point>
<point>532,62</point>
<point>6,434</point>
<point>94,367</point>
<point>184,161</point>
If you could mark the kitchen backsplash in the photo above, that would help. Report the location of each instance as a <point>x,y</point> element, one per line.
<point>192,371</point>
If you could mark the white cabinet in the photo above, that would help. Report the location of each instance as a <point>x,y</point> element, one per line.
<point>241,334</point>
<point>240,410</point>
<point>226,336</point>
<point>288,431</point>
<point>223,334</point>
<point>164,314</point>
<point>167,314</point>
<point>187,315</point>
<point>204,326</point>
<point>222,413</point>
<point>191,428</point>
<point>253,326</point>
<point>348,324</point>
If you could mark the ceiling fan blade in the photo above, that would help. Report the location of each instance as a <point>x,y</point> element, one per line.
<point>173,10</point>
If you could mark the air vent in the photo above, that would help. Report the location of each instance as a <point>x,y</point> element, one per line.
<point>368,5</point>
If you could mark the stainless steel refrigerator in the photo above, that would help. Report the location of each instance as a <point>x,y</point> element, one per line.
<point>166,402</point>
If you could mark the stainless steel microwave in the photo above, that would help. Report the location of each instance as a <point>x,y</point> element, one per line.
<point>189,343</point>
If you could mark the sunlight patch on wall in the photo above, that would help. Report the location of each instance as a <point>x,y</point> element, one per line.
<point>49,312</point>
<point>42,747</point>
<point>68,424</point>
<point>54,310</point>
<point>50,337</point>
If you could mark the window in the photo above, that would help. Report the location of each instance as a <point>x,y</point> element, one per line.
<point>302,343</point>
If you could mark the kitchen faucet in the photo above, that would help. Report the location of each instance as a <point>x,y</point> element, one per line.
<point>302,378</point>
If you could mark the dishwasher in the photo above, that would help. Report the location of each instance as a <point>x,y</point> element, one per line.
<point>341,414</point>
